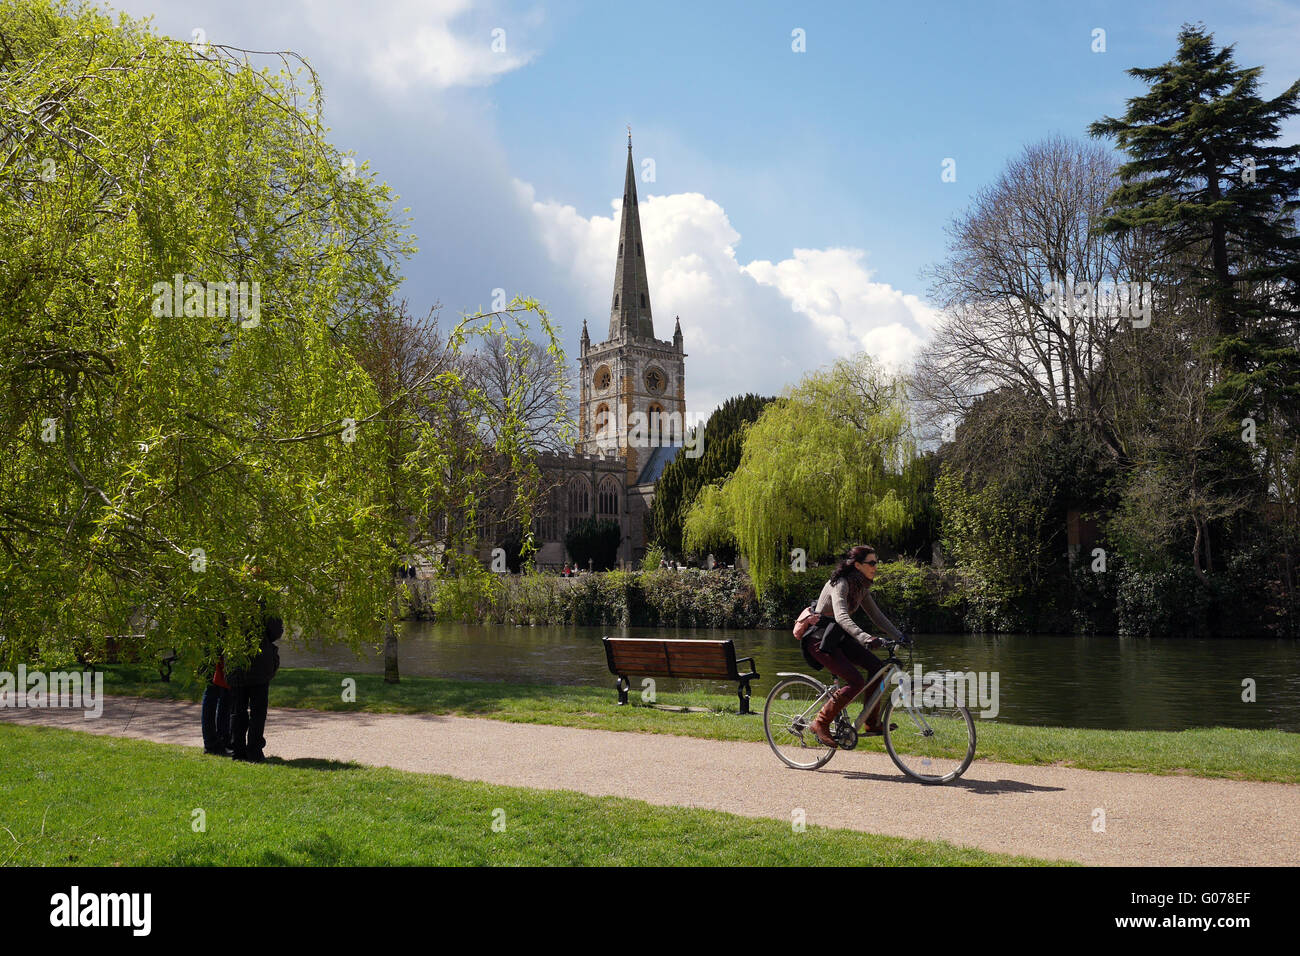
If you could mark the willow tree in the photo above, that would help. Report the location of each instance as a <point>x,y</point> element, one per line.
<point>828,464</point>
<point>452,445</point>
<point>186,268</point>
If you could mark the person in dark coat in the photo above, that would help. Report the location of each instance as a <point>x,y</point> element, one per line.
<point>252,687</point>
<point>216,712</point>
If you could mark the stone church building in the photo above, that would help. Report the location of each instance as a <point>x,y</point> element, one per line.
<point>631,410</point>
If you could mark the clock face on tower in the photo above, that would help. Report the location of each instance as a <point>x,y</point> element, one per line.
<point>602,377</point>
<point>655,380</point>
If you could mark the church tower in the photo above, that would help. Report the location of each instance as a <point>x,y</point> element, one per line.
<point>632,386</point>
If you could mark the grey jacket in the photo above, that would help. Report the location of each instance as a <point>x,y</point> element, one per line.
<point>850,593</point>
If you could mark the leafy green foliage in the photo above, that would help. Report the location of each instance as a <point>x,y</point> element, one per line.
<point>653,555</point>
<point>828,464</point>
<point>167,460</point>
<point>709,523</point>
<point>722,441</point>
<point>1207,181</point>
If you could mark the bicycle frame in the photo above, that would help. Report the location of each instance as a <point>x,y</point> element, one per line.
<point>881,680</point>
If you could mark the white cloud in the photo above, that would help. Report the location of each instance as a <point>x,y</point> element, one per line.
<point>747,327</point>
<point>834,290</point>
<point>397,45</point>
<point>418,43</point>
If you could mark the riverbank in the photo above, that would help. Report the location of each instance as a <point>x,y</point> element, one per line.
<point>1230,753</point>
<point>1126,601</point>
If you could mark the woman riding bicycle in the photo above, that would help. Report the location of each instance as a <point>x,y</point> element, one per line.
<point>838,644</point>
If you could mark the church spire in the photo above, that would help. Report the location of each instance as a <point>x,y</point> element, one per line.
<point>630,309</point>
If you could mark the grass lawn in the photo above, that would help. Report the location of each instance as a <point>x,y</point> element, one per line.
<point>69,798</point>
<point>1270,755</point>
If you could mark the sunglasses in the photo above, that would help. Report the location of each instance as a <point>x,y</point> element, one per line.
<point>872,562</point>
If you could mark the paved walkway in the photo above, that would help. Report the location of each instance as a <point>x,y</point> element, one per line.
<point>1045,812</point>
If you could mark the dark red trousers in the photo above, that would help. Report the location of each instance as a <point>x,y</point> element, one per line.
<point>844,660</point>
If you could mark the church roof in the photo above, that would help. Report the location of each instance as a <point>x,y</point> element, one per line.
<point>630,306</point>
<point>656,463</point>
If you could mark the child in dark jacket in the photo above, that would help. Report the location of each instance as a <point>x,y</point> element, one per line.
<point>251,688</point>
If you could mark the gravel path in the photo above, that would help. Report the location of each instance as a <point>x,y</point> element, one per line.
<point>1045,812</point>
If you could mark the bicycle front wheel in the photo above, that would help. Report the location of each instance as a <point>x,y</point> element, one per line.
<point>933,744</point>
<point>790,708</point>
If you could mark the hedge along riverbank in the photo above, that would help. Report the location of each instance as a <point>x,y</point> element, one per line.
<point>915,596</point>
<point>918,598</point>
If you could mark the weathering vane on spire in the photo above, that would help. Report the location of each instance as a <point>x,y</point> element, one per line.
<point>629,135</point>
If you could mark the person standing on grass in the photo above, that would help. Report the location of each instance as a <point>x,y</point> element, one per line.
<point>252,688</point>
<point>216,711</point>
<point>839,645</point>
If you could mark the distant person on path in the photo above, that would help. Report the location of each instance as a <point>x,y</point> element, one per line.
<point>252,687</point>
<point>839,645</point>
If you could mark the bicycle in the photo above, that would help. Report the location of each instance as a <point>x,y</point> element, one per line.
<point>932,743</point>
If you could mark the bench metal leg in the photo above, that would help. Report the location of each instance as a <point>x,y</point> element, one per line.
<point>622,685</point>
<point>743,694</point>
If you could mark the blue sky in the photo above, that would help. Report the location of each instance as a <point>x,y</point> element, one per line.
<point>796,196</point>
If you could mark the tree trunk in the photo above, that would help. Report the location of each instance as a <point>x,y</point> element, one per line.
<point>1209,556</point>
<point>391,675</point>
<point>1196,553</point>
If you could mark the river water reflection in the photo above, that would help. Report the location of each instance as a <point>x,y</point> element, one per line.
<point>1063,681</point>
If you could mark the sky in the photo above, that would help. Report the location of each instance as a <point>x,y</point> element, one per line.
<point>791,157</point>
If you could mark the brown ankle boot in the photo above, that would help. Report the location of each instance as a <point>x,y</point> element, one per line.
<point>821,725</point>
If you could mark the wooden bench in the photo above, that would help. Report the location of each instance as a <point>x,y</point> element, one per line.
<point>654,657</point>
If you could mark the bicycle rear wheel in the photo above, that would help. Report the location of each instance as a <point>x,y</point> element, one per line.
<point>933,743</point>
<point>790,708</point>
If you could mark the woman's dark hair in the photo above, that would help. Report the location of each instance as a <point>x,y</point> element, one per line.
<point>856,554</point>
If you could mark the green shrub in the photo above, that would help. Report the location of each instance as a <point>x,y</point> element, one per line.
<point>653,555</point>
<point>1161,602</point>
<point>919,598</point>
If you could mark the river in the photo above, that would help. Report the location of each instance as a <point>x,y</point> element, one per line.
<point>1047,680</point>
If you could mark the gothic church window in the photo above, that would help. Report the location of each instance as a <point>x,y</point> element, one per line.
<point>579,499</point>
<point>607,499</point>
